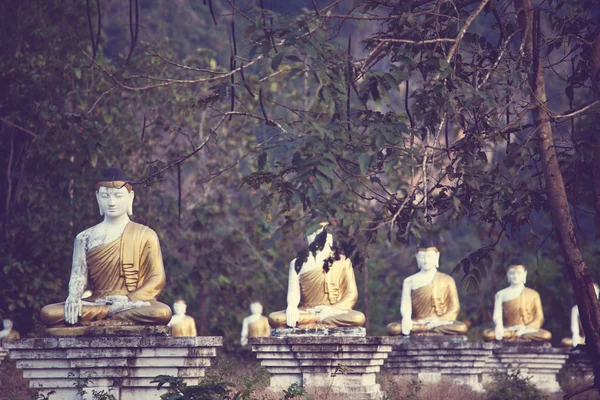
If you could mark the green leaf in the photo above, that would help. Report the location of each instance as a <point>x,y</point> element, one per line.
<point>364,161</point>
<point>276,61</point>
<point>293,58</point>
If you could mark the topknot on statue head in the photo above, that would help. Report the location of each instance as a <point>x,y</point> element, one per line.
<point>514,265</point>
<point>113,178</point>
<point>427,244</point>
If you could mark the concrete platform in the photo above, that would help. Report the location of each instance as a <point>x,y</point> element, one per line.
<point>346,364</point>
<point>121,366</point>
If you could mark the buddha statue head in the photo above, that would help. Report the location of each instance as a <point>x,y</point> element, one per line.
<point>516,274</point>
<point>319,240</point>
<point>256,308</point>
<point>179,307</point>
<point>428,255</point>
<point>114,194</point>
<point>7,324</point>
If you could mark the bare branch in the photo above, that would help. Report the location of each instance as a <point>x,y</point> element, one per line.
<point>166,81</point>
<point>100,98</point>
<point>577,111</point>
<point>7,122</point>
<point>578,391</point>
<point>419,42</point>
<point>464,29</point>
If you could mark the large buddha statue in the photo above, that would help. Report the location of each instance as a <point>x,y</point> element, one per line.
<point>577,335</point>
<point>255,324</point>
<point>321,288</point>
<point>119,260</point>
<point>518,313</point>
<point>429,303</point>
<point>182,324</point>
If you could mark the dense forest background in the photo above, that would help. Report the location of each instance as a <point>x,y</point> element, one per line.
<point>351,112</point>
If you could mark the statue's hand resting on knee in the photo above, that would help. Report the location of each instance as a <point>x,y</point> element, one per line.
<point>73,308</point>
<point>292,315</point>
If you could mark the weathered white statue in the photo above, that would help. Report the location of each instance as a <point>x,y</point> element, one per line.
<point>182,324</point>
<point>255,325</point>
<point>429,303</point>
<point>577,335</point>
<point>518,313</point>
<point>321,289</point>
<point>119,260</point>
<point>8,332</point>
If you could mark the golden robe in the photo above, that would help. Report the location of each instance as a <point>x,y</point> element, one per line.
<point>130,265</point>
<point>439,299</point>
<point>187,327</point>
<point>259,328</point>
<point>523,310</point>
<point>335,288</point>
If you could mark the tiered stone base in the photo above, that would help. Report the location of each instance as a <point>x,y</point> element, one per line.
<point>539,362</point>
<point>433,359</point>
<point>345,364</point>
<point>3,355</point>
<point>121,366</point>
<point>578,366</point>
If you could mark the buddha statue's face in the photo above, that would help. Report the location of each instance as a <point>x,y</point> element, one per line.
<point>114,202</point>
<point>516,275</point>
<point>179,308</point>
<point>428,259</point>
<point>256,308</point>
<point>328,242</point>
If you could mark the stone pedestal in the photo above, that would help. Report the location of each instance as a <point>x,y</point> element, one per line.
<point>345,364</point>
<point>578,366</point>
<point>122,366</point>
<point>432,359</point>
<point>3,355</point>
<point>539,362</point>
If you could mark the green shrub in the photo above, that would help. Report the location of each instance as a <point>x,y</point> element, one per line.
<point>513,386</point>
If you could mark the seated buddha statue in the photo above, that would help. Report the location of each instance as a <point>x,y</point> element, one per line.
<point>518,313</point>
<point>182,324</point>
<point>429,304</point>
<point>119,261</point>
<point>321,288</point>
<point>7,331</point>
<point>577,335</point>
<point>255,325</point>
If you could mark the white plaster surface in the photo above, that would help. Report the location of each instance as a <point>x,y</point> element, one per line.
<point>348,365</point>
<point>123,366</point>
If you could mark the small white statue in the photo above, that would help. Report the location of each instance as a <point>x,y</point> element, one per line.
<point>8,332</point>
<point>255,325</point>
<point>182,324</point>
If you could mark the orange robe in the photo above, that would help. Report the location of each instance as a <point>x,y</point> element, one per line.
<point>439,299</point>
<point>259,328</point>
<point>187,327</point>
<point>335,288</point>
<point>130,265</point>
<point>523,310</point>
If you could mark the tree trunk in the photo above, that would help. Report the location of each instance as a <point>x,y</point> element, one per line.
<point>596,161</point>
<point>589,307</point>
